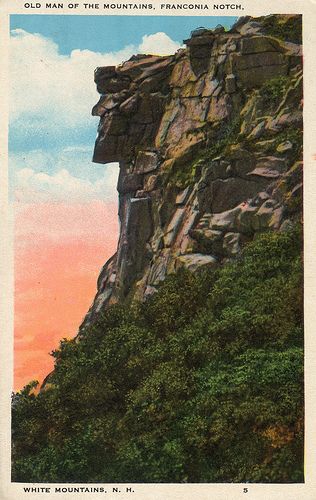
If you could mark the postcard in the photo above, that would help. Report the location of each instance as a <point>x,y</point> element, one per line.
<point>157,244</point>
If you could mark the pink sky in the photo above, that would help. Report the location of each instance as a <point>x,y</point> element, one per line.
<point>59,251</point>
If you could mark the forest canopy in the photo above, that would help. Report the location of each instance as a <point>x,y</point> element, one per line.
<point>203,382</point>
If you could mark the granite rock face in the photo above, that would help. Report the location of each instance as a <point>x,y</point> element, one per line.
<point>209,146</point>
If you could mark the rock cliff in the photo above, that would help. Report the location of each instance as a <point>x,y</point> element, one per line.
<point>209,142</point>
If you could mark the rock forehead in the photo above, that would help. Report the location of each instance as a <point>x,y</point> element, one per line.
<point>132,104</point>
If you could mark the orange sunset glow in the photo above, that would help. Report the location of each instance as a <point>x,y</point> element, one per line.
<point>59,251</point>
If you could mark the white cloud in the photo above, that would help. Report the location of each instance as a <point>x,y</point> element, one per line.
<point>75,158</point>
<point>51,90</point>
<point>40,187</point>
<point>52,95</point>
<point>158,44</point>
<point>57,89</point>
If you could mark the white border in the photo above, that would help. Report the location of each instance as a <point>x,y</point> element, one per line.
<point>14,491</point>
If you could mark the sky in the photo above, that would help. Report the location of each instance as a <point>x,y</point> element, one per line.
<point>65,206</point>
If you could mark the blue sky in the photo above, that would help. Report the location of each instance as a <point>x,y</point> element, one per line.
<point>111,33</point>
<point>52,61</point>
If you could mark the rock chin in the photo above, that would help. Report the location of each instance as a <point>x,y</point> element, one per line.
<point>209,146</point>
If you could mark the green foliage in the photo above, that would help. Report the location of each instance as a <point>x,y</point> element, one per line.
<point>295,136</point>
<point>273,90</point>
<point>289,29</point>
<point>202,383</point>
<point>183,175</point>
<point>227,135</point>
